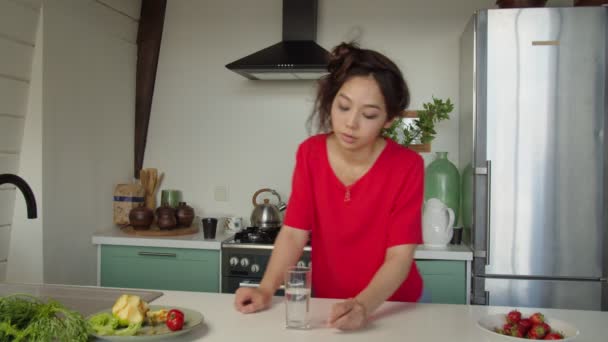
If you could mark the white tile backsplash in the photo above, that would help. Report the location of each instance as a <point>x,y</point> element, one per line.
<point>5,238</point>
<point>7,203</point>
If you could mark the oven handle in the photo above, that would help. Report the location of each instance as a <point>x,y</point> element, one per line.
<point>248,283</point>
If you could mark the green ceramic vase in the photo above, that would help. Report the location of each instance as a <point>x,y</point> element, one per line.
<point>442,181</point>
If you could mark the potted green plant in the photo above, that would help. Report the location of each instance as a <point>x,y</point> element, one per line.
<point>420,130</point>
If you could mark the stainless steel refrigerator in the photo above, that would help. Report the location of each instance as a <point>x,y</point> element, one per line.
<point>534,156</point>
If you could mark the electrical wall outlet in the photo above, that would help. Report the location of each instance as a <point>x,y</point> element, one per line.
<point>220,193</point>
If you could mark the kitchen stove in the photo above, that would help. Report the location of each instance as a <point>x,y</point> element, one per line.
<point>256,235</point>
<point>246,256</point>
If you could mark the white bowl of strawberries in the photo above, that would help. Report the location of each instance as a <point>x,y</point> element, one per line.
<point>515,326</point>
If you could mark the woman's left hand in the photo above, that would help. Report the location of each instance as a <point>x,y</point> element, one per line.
<point>348,315</point>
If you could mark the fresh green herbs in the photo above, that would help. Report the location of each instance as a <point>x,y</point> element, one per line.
<point>106,324</point>
<point>103,324</point>
<point>422,129</point>
<point>26,318</point>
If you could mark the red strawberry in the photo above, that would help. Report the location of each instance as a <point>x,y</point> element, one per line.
<point>554,336</point>
<point>537,332</point>
<point>537,318</point>
<point>526,323</point>
<point>518,331</point>
<point>546,326</point>
<point>513,317</point>
<point>507,327</point>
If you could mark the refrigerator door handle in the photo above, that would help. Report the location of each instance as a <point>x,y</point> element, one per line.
<point>488,172</point>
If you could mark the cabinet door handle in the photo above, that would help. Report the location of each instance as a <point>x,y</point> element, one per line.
<point>166,255</point>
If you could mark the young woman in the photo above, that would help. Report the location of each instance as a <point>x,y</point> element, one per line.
<point>359,194</point>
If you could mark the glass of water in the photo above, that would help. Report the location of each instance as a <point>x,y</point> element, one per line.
<point>297,297</point>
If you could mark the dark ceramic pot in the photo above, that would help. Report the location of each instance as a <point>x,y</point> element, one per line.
<point>165,217</point>
<point>166,222</point>
<point>164,210</point>
<point>184,214</point>
<point>141,218</point>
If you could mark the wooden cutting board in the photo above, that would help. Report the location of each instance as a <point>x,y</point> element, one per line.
<point>155,231</point>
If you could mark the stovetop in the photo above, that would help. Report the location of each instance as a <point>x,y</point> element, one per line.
<point>255,238</point>
<point>256,235</point>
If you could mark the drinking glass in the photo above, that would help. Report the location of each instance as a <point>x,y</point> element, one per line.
<point>297,297</point>
<point>209,227</point>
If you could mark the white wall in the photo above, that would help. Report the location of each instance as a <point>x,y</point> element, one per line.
<point>18,22</point>
<point>88,104</point>
<point>25,257</point>
<point>211,127</point>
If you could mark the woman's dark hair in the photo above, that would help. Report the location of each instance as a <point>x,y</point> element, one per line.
<point>348,60</point>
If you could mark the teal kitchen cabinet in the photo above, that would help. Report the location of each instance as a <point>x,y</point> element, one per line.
<point>446,280</point>
<point>177,269</point>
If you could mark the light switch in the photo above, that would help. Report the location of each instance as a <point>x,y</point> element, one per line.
<point>220,193</point>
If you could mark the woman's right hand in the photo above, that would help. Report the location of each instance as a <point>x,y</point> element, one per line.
<point>249,300</point>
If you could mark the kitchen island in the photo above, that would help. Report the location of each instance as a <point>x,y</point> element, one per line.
<point>391,322</point>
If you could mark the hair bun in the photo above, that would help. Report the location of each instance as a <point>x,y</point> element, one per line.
<point>341,56</point>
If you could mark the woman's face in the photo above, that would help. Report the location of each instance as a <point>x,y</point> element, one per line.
<point>358,113</point>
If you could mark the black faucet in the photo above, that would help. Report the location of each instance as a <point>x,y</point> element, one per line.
<point>30,200</point>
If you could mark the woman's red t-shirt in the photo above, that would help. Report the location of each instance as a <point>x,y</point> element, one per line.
<point>352,227</point>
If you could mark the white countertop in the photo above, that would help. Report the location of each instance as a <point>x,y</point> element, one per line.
<point>449,252</point>
<point>391,322</point>
<point>115,236</point>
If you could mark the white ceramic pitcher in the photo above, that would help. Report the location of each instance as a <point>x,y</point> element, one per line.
<point>437,223</point>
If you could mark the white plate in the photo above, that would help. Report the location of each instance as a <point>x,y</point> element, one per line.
<point>192,319</point>
<point>490,322</point>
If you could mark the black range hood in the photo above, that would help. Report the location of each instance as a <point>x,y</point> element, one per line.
<point>298,56</point>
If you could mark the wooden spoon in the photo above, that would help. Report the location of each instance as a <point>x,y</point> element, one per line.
<point>150,196</point>
<point>143,178</point>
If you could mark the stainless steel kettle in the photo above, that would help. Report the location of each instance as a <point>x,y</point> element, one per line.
<point>266,215</point>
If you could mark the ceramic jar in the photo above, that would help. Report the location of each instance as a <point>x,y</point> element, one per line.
<point>140,218</point>
<point>442,181</point>
<point>165,217</point>
<point>437,223</point>
<point>184,214</point>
